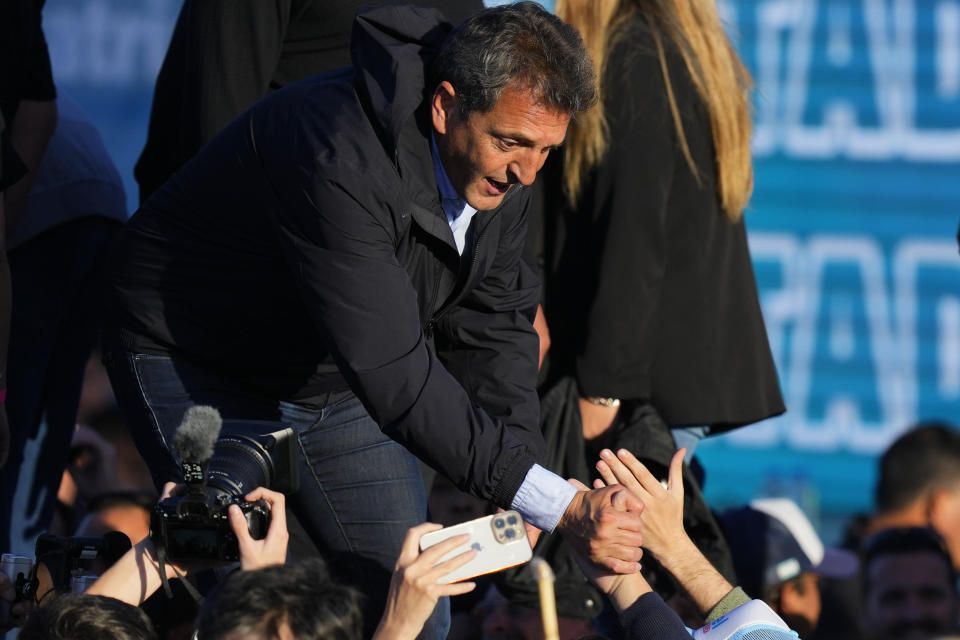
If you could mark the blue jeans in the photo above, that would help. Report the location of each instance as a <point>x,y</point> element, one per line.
<point>359,490</point>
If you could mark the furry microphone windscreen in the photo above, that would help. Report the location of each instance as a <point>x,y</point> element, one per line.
<point>197,434</point>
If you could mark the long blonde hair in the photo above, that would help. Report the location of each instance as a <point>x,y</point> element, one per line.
<point>720,79</point>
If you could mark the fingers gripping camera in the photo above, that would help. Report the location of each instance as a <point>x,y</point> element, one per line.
<point>221,463</point>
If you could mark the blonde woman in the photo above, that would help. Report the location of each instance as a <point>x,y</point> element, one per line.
<point>649,291</point>
<point>649,295</point>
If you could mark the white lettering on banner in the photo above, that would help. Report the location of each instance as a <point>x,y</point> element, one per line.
<point>833,336</point>
<point>864,79</point>
<point>106,42</point>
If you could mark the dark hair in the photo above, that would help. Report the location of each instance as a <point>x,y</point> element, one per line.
<point>302,594</point>
<point>903,540</point>
<point>520,44</point>
<point>83,617</point>
<point>919,461</point>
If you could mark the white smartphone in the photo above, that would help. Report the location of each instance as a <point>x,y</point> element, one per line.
<point>500,540</point>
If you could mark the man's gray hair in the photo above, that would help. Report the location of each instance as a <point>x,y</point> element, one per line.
<point>521,45</point>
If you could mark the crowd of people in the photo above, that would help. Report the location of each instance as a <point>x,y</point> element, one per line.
<point>341,237</point>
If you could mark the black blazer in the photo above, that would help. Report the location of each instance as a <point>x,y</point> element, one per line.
<point>649,292</point>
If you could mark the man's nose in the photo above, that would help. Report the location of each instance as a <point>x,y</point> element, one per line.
<point>525,167</point>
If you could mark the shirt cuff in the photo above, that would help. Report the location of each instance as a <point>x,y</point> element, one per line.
<point>543,498</point>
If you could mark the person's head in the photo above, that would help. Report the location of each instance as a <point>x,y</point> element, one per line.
<point>909,586</point>
<point>83,617</point>
<point>296,600</point>
<point>720,79</point>
<point>919,482</point>
<point>778,557</point>
<point>506,83</point>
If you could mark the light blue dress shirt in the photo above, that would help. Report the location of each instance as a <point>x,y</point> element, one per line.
<point>543,496</point>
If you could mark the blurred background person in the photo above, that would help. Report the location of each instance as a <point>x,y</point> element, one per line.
<point>779,559</point>
<point>909,586</point>
<point>57,252</point>
<point>919,484</point>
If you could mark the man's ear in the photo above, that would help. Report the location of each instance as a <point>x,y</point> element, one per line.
<point>443,107</point>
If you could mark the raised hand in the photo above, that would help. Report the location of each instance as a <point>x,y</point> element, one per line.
<point>663,506</point>
<point>414,587</point>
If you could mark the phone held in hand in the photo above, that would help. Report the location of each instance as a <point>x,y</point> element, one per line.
<point>499,539</point>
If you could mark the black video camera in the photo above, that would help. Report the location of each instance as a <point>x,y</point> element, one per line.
<point>195,525</point>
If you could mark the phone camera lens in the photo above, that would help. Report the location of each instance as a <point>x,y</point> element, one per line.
<point>499,523</point>
<point>511,520</point>
<point>510,533</point>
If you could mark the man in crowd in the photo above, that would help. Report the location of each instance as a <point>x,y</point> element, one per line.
<point>909,586</point>
<point>919,484</point>
<point>779,558</point>
<point>344,259</point>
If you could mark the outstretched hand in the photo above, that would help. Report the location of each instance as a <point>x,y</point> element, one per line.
<point>663,506</point>
<point>605,527</point>
<point>415,586</point>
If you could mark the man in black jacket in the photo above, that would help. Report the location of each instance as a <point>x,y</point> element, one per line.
<point>344,259</point>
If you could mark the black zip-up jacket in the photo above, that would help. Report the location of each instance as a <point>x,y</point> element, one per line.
<point>305,250</point>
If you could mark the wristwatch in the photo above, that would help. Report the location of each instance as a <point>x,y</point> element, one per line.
<point>603,402</point>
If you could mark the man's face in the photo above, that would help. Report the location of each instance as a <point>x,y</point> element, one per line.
<point>800,604</point>
<point>909,596</point>
<point>486,154</point>
<point>945,518</point>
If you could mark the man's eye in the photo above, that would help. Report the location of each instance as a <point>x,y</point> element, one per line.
<point>507,143</point>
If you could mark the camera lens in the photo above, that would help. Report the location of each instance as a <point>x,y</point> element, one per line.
<point>510,533</point>
<point>499,523</point>
<point>511,520</point>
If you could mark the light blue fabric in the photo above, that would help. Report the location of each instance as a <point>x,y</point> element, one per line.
<point>458,212</point>
<point>542,498</point>
<point>689,437</point>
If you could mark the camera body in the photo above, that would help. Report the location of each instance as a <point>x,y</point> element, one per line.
<point>195,525</point>
<point>198,527</point>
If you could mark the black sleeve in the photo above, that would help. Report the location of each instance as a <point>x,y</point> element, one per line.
<point>628,229</point>
<point>649,618</point>
<point>493,349</point>
<point>363,303</point>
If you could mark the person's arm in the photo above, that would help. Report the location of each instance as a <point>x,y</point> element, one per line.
<point>35,119</point>
<point>628,209</point>
<point>414,587</point>
<point>663,532</point>
<point>31,130</point>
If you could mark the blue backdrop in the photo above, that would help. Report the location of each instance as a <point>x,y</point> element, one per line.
<point>852,224</point>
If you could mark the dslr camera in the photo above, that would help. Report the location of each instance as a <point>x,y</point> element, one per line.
<point>219,469</point>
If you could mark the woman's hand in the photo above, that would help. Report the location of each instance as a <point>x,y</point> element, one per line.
<point>663,506</point>
<point>414,588</point>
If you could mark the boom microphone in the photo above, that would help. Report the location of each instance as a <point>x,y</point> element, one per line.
<point>194,441</point>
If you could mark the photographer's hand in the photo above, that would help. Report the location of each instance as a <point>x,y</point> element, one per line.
<point>414,589</point>
<point>255,554</point>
